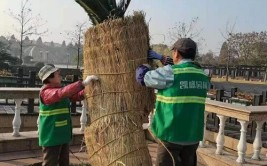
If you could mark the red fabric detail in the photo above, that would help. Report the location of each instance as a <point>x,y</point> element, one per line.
<point>78,97</point>
<point>50,94</point>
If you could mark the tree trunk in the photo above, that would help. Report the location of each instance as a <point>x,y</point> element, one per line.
<point>227,69</point>
<point>21,48</point>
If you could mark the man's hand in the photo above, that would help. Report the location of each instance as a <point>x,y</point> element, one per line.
<point>154,55</point>
<point>89,79</point>
<point>140,73</point>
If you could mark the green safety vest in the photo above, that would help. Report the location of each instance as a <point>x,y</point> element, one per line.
<point>55,126</point>
<point>179,112</point>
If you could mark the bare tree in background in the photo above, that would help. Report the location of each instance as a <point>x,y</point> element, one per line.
<point>250,47</point>
<point>186,30</point>
<point>29,24</point>
<point>227,34</point>
<point>76,36</point>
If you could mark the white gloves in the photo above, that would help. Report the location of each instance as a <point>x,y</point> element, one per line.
<point>89,79</point>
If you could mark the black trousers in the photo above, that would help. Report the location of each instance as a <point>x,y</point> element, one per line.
<point>56,155</point>
<point>184,155</point>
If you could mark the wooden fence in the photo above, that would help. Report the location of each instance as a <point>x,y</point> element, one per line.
<point>240,71</point>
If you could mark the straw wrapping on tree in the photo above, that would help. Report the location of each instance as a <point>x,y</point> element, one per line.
<point>113,50</point>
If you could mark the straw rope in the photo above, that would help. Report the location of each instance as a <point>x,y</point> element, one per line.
<point>113,113</point>
<point>113,141</point>
<point>145,148</point>
<point>160,142</point>
<point>98,94</point>
<point>117,73</point>
<point>86,73</point>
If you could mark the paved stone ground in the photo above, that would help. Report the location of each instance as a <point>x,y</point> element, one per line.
<point>35,157</point>
<point>76,156</point>
<point>27,152</point>
<point>227,159</point>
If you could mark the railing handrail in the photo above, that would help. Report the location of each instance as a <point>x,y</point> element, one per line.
<point>18,93</point>
<point>247,113</point>
<point>19,89</point>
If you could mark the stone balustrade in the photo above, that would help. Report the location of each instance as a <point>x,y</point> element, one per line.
<point>243,114</point>
<point>19,94</point>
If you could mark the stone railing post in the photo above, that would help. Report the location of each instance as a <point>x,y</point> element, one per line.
<point>220,136</point>
<point>202,143</point>
<point>257,144</point>
<point>83,118</point>
<point>17,120</point>
<point>242,144</point>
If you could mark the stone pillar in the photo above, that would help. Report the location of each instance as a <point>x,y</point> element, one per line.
<point>17,120</point>
<point>202,143</point>
<point>257,144</point>
<point>220,136</point>
<point>242,144</point>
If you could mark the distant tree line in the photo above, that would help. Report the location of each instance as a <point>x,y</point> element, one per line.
<point>245,49</point>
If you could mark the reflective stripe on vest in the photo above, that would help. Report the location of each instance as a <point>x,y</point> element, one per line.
<point>61,123</point>
<point>54,112</point>
<point>191,70</point>
<point>181,99</point>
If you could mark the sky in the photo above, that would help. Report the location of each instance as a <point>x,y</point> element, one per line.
<point>161,15</point>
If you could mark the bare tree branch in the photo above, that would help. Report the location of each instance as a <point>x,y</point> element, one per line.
<point>186,30</point>
<point>28,23</point>
<point>228,44</point>
<point>76,36</point>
